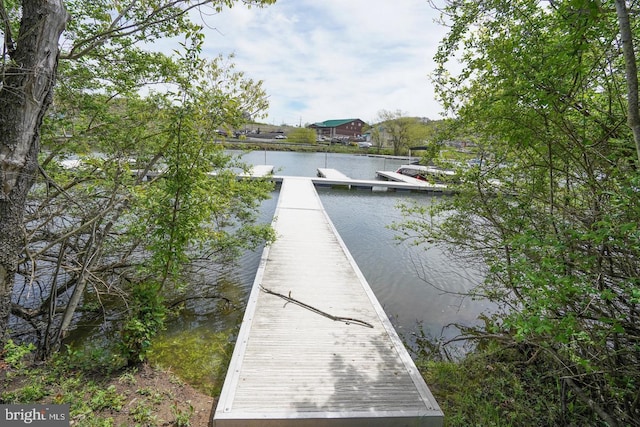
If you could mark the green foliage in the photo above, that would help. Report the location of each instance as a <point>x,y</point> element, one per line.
<point>399,131</point>
<point>143,413</point>
<point>503,386</point>
<point>14,354</point>
<point>151,195</point>
<point>107,398</point>
<point>552,209</point>
<point>28,394</point>
<point>59,383</point>
<point>97,422</point>
<point>302,135</point>
<point>93,401</point>
<point>182,416</point>
<point>11,18</point>
<point>146,318</point>
<point>199,197</point>
<point>76,219</point>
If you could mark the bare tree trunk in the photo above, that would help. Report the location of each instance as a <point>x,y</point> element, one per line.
<point>631,71</point>
<point>26,93</point>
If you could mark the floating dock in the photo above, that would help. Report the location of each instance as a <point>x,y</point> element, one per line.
<point>261,170</point>
<point>332,174</point>
<point>395,176</point>
<point>315,347</point>
<point>394,182</point>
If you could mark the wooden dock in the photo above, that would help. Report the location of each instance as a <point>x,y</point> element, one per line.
<point>299,362</point>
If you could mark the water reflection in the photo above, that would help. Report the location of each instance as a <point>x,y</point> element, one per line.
<point>415,285</point>
<point>418,287</point>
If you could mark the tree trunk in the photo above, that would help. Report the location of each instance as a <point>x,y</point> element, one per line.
<point>631,71</point>
<point>25,94</point>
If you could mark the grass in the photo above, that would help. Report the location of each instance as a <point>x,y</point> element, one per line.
<point>501,386</point>
<point>100,394</point>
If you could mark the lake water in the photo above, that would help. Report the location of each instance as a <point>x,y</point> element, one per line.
<point>307,164</point>
<point>417,287</point>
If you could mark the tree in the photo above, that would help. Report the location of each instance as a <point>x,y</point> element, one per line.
<point>377,136</point>
<point>433,135</point>
<point>28,76</point>
<point>97,35</point>
<point>302,135</point>
<point>100,235</point>
<point>401,131</point>
<point>552,209</point>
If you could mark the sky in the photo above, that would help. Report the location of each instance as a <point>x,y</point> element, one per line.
<point>334,59</point>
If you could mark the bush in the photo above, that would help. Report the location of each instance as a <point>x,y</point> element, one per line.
<point>503,385</point>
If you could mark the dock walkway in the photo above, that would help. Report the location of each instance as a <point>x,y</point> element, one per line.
<point>296,365</point>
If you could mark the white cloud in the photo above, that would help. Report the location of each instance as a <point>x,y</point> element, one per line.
<point>334,58</point>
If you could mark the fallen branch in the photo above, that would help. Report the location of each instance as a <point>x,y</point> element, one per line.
<point>347,320</point>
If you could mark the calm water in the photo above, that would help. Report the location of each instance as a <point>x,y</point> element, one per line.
<point>416,286</point>
<point>307,164</point>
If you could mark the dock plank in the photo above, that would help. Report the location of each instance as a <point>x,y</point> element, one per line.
<point>294,367</point>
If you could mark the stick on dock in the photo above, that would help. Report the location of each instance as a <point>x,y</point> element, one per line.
<point>294,367</point>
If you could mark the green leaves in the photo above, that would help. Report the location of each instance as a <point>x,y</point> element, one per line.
<point>146,318</point>
<point>134,192</point>
<point>553,209</point>
<point>401,131</point>
<point>14,354</point>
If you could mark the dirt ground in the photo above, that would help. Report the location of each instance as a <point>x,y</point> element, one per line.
<point>147,396</point>
<point>165,394</point>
